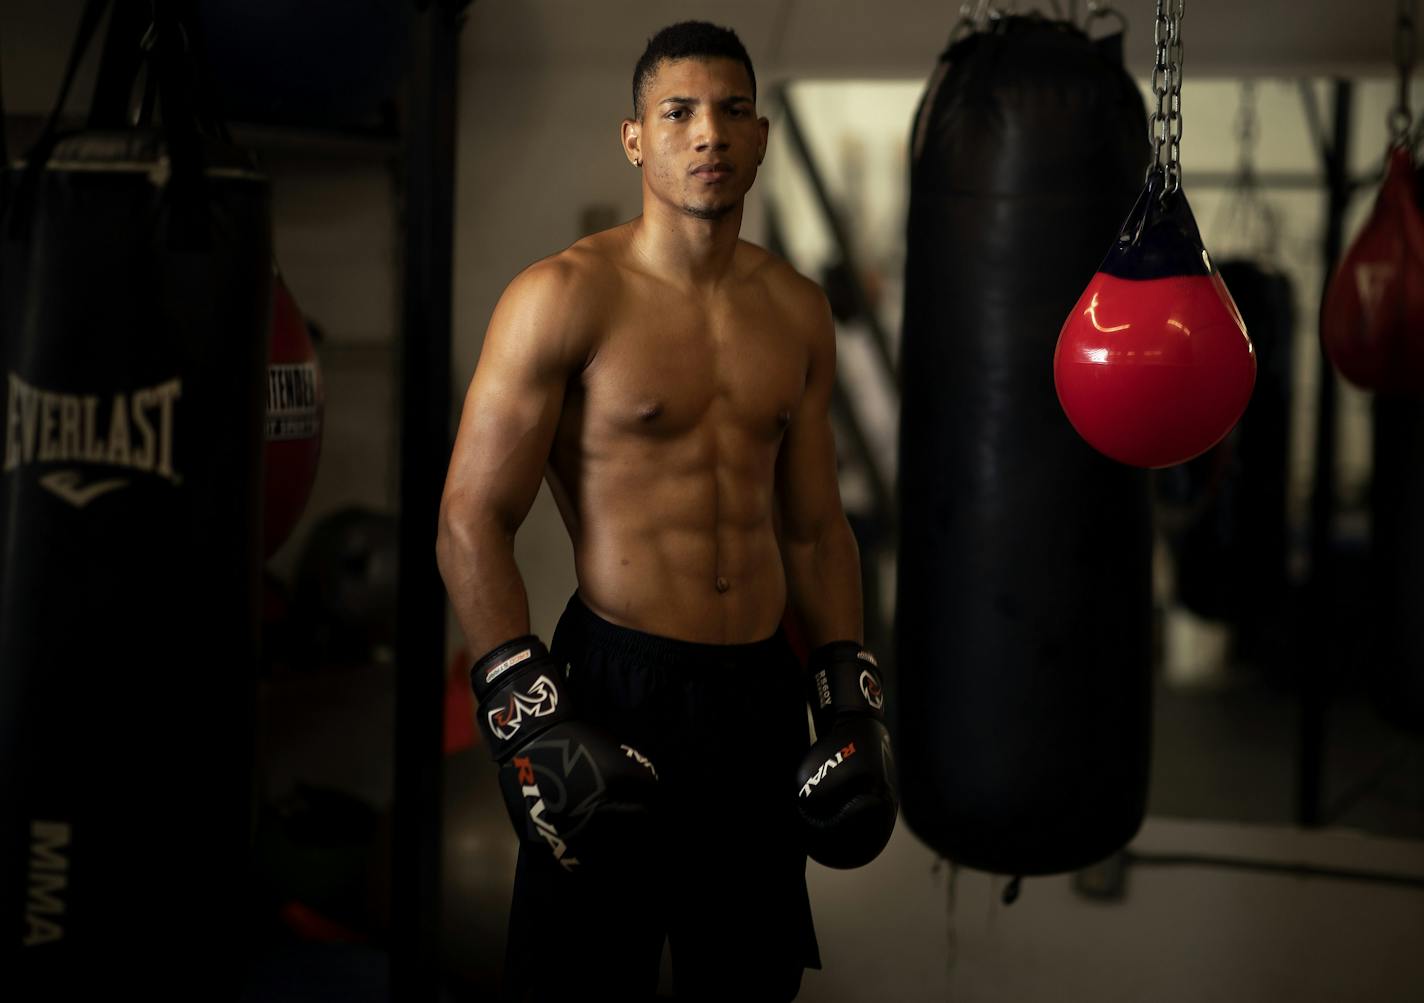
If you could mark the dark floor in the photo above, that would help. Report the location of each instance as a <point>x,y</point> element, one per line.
<point>1235,753</point>
<point>1228,751</point>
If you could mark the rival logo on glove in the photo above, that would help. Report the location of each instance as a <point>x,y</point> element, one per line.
<point>530,786</point>
<point>639,758</point>
<point>870,689</point>
<point>827,767</point>
<point>539,700</point>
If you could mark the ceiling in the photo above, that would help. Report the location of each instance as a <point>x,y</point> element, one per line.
<point>808,38</point>
<point>900,38</point>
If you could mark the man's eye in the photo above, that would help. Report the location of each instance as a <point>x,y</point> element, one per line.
<point>677,113</point>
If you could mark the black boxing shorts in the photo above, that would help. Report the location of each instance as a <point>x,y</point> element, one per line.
<point>725,726</point>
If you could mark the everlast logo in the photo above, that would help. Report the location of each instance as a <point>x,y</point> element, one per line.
<point>292,408</point>
<point>827,767</point>
<point>550,835</point>
<point>44,909</point>
<point>132,431</point>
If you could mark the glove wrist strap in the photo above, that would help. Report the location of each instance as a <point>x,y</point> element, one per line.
<point>498,662</point>
<point>521,694</point>
<point>845,680</point>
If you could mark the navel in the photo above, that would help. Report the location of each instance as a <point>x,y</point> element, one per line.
<point>722,584</point>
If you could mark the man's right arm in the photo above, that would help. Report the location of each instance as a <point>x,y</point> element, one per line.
<point>536,341</point>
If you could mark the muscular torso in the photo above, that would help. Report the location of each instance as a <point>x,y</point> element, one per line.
<point>663,463</point>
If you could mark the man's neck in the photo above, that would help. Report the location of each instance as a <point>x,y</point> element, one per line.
<point>685,249</point>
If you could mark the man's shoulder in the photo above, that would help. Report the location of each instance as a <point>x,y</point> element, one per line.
<point>578,272</point>
<point>559,302</point>
<point>782,282</point>
<point>599,253</point>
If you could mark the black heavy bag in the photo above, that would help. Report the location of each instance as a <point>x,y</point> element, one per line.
<point>1396,655</point>
<point>1225,511</point>
<point>135,268</point>
<point>1024,589</point>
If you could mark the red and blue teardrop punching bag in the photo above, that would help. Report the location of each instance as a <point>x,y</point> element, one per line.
<point>1023,621</point>
<point>295,406</point>
<point>1372,319</point>
<point>1153,365</point>
<point>134,284</point>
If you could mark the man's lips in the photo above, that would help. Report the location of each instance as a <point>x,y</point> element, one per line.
<point>712,172</point>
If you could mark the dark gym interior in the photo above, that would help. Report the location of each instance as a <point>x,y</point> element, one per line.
<point>400,162</point>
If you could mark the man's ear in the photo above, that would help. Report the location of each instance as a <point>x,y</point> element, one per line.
<point>632,134</point>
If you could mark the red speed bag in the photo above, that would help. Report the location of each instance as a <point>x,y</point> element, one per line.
<point>1372,321</point>
<point>1153,365</point>
<point>294,419</point>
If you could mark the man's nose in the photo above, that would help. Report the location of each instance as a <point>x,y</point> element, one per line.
<point>713,134</point>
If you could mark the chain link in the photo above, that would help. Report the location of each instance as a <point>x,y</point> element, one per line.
<point>1247,130</point>
<point>1166,122</point>
<point>1404,43</point>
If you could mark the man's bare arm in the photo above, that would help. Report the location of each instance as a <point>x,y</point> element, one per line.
<point>818,549</point>
<point>534,344</point>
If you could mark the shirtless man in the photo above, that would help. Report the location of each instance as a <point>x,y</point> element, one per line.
<point>671,382</point>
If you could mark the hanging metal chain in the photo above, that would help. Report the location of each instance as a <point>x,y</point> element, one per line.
<point>1399,115</point>
<point>1245,221</point>
<point>1166,123</point>
<point>1246,132</point>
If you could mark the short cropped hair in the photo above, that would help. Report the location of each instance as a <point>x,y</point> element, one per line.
<point>687,40</point>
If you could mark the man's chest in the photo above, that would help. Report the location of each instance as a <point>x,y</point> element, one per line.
<point>667,372</point>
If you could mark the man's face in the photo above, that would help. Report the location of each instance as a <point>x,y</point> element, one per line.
<point>700,138</point>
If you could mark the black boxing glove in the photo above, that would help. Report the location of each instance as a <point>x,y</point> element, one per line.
<point>846,795</point>
<point>566,784</point>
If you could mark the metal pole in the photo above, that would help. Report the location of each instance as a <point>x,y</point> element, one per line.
<point>1315,661</point>
<point>879,339</point>
<point>858,444</point>
<point>425,444</point>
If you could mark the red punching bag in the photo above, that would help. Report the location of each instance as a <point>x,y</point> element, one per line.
<point>294,419</point>
<point>1153,365</point>
<point>1372,322</point>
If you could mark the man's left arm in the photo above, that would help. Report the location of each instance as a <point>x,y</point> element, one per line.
<point>818,550</point>
<point>846,795</point>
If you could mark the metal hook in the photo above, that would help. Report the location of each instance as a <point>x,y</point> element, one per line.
<point>1011,890</point>
<point>1098,11</point>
